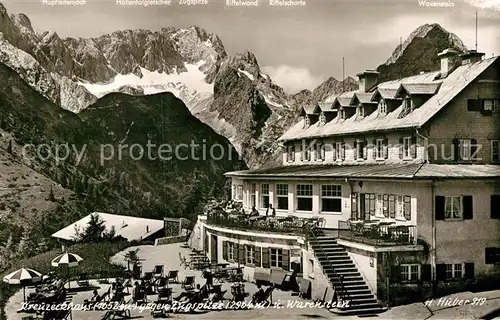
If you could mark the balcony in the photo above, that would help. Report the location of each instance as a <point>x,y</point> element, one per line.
<point>377,233</point>
<point>280,225</point>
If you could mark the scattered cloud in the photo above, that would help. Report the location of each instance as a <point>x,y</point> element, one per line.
<point>292,79</point>
<point>485,4</point>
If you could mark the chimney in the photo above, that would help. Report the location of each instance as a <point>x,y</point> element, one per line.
<point>367,80</point>
<point>471,56</point>
<point>447,61</point>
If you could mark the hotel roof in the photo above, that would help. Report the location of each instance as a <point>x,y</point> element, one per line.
<point>449,88</point>
<point>418,88</point>
<point>131,228</point>
<point>377,171</point>
<point>385,93</point>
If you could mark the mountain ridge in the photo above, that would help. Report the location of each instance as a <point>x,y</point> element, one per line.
<point>230,93</point>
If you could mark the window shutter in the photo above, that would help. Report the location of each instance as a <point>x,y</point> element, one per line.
<point>286,259</point>
<point>241,254</point>
<point>401,141</point>
<point>426,273</point>
<point>414,147</point>
<point>265,258</point>
<point>407,207</point>
<point>374,149</point>
<point>224,250</point>
<point>258,256</point>
<point>495,206</point>
<point>386,148</point>
<point>439,207</point>
<point>392,208</point>
<point>468,207</point>
<point>473,149</point>
<point>365,149</point>
<point>489,255</point>
<point>355,149</point>
<point>456,153</point>
<point>293,152</point>
<point>396,274</point>
<point>469,271</point>
<point>354,205</point>
<point>301,150</point>
<point>343,150</point>
<point>473,105</point>
<point>334,151</point>
<point>440,271</point>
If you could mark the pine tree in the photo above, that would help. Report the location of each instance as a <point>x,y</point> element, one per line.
<point>94,231</point>
<point>51,195</point>
<point>9,147</point>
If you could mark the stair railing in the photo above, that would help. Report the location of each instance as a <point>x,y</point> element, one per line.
<point>338,285</point>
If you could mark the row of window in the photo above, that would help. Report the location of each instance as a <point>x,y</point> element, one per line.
<point>407,149</point>
<point>485,106</point>
<point>256,256</point>
<point>331,197</point>
<point>366,205</point>
<point>444,272</point>
<point>461,207</point>
<point>464,149</point>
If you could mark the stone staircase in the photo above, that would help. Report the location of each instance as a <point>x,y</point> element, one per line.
<point>334,259</point>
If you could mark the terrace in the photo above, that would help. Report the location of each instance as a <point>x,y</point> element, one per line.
<point>377,233</point>
<point>280,225</point>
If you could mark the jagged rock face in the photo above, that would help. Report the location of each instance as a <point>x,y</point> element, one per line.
<point>419,52</point>
<point>53,54</point>
<point>90,63</point>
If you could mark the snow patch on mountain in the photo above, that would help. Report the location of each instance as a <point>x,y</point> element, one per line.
<point>183,84</point>
<point>270,102</point>
<point>246,73</point>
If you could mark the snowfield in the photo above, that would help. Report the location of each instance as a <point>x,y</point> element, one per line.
<point>191,82</point>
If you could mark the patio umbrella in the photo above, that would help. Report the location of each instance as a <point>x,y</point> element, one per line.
<point>67,260</point>
<point>24,277</point>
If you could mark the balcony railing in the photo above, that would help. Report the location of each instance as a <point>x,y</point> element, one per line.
<point>380,234</point>
<point>282,225</point>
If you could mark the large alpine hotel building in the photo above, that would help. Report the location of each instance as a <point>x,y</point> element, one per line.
<point>405,174</point>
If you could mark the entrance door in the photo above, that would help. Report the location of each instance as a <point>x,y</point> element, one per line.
<point>213,249</point>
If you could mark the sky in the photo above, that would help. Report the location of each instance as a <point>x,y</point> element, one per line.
<point>299,47</point>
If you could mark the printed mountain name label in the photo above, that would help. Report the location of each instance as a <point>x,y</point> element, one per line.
<point>424,3</point>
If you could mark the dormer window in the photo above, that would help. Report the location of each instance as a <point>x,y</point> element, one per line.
<point>406,106</point>
<point>342,114</point>
<point>322,118</point>
<point>382,107</point>
<point>307,122</point>
<point>360,112</point>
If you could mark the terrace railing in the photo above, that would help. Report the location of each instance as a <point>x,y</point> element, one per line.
<point>377,234</point>
<point>282,225</point>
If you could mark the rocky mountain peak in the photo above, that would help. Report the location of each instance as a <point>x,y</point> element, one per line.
<point>22,20</point>
<point>419,52</point>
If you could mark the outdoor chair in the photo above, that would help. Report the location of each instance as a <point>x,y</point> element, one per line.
<point>158,271</point>
<point>188,283</point>
<point>215,297</point>
<point>173,276</point>
<point>159,310</point>
<point>114,314</point>
<point>161,283</point>
<point>147,276</point>
<point>83,280</point>
<point>140,296</point>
